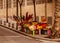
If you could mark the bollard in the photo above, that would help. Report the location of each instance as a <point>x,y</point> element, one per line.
<point>9,25</point>
<point>19,27</point>
<point>1,21</point>
<point>4,22</point>
<point>12,25</point>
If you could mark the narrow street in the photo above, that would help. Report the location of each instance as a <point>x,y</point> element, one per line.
<point>8,36</point>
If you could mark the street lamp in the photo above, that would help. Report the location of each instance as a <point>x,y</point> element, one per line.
<point>17,13</point>
<point>34,9</point>
<point>46,9</point>
<point>20,3</point>
<point>6,10</point>
<point>17,8</point>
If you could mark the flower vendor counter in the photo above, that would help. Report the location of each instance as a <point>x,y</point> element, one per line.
<point>34,28</point>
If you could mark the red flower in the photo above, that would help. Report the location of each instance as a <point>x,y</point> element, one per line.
<point>44,25</point>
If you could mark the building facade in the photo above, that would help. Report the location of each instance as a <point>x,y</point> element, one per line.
<point>27,7</point>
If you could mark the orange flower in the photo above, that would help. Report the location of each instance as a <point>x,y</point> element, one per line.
<point>39,27</point>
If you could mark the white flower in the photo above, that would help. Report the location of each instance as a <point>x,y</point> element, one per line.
<point>32,27</point>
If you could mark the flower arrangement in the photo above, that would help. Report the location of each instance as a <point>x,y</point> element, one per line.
<point>17,19</point>
<point>32,27</point>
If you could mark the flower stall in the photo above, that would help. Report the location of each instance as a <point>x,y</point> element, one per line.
<point>31,27</point>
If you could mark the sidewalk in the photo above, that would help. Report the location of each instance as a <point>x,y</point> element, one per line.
<point>36,37</point>
<point>40,37</point>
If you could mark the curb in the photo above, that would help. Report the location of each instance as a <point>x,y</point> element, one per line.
<point>23,33</point>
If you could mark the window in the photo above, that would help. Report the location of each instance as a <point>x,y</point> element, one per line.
<point>4,4</point>
<point>14,3</point>
<point>49,1</point>
<point>9,3</point>
<point>1,4</point>
<point>38,1</point>
<point>29,2</point>
<point>42,1</point>
<point>49,20</point>
<point>23,2</point>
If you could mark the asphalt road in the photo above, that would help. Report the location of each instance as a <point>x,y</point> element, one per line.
<point>8,36</point>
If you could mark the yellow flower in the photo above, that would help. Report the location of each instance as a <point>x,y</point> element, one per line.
<point>34,23</point>
<point>39,27</point>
